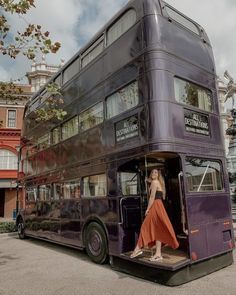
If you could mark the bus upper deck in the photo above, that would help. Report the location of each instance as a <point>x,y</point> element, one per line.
<point>153,91</point>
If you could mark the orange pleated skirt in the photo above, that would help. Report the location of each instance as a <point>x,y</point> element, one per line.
<point>157,227</point>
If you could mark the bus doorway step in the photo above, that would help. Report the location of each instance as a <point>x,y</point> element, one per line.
<point>172,259</point>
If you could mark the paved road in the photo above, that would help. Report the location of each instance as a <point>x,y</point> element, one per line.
<point>32,267</point>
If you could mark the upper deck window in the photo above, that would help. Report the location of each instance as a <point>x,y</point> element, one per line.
<point>71,71</point>
<point>91,117</point>
<point>122,100</point>
<point>43,142</point>
<point>122,25</point>
<point>203,175</point>
<point>181,20</point>
<point>69,128</point>
<point>92,52</point>
<point>193,95</point>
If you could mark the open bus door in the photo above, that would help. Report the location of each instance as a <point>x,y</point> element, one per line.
<point>208,210</point>
<point>134,206</point>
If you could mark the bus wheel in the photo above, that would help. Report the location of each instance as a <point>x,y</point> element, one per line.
<point>96,243</point>
<point>21,229</point>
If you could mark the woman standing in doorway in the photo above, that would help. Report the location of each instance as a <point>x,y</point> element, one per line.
<point>156,228</point>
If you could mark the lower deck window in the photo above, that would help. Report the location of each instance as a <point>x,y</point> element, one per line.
<point>203,175</point>
<point>95,186</point>
<point>129,183</point>
<point>31,194</point>
<point>71,190</point>
<point>44,192</point>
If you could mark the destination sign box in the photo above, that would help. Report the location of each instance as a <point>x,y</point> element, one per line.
<point>196,122</point>
<point>127,129</point>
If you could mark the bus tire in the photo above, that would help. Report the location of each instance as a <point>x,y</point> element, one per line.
<point>96,243</point>
<point>21,229</point>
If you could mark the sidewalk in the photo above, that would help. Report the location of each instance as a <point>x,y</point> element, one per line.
<point>6,219</point>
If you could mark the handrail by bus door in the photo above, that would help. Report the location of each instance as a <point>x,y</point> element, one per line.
<point>181,192</point>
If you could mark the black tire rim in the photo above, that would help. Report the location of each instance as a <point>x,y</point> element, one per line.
<point>20,228</point>
<point>95,243</point>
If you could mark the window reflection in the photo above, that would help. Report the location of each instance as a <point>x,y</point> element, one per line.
<point>129,183</point>
<point>122,100</point>
<point>192,94</point>
<point>95,186</point>
<point>203,175</point>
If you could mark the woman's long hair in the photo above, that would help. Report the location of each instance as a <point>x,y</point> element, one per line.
<point>161,180</point>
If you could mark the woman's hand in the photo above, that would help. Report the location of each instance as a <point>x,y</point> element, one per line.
<point>146,213</point>
<point>148,180</point>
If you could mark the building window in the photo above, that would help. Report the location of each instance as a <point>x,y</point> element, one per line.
<point>91,117</point>
<point>203,175</point>
<point>123,100</point>
<point>122,25</point>
<point>193,95</point>
<point>92,52</point>
<point>69,128</point>
<point>182,20</point>
<point>8,160</point>
<point>11,118</point>
<point>95,186</point>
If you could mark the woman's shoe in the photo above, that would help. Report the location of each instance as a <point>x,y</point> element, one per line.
<point>136,253</point>
<point>156,258</point>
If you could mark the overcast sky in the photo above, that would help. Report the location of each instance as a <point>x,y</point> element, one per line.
<point>73,22</point>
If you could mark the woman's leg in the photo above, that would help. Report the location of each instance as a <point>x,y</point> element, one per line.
<point>158,249</point>
<point>157,256</point>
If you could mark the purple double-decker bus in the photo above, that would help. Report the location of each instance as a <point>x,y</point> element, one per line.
<point>140,95</point>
